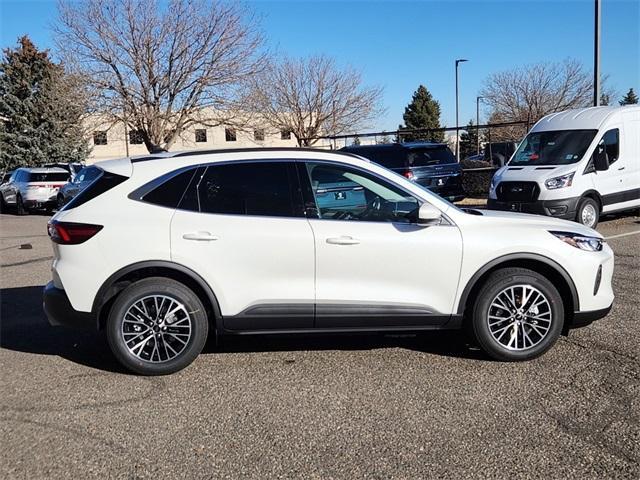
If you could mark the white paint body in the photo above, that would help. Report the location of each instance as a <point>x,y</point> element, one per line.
<point>258,260</point>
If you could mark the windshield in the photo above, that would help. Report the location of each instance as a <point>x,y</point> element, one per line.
<point>561,147</point>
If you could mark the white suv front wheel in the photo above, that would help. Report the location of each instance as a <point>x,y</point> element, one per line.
<point>518,315</point>
<point>157,326</point>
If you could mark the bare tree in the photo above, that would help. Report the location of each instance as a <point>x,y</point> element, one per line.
<point>530,92</point>
<point>312,97</point>
<point>161,67</point>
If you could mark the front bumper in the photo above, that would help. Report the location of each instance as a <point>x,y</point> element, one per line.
<point>563,208</point>
<point>582,319</point>
<point>59,311</point>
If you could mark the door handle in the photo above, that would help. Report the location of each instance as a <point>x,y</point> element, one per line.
<point>344,240</point>
<point>621,168</point>
<point>199,236</point>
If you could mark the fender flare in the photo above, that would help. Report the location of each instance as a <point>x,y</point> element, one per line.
<point>101,297</point>
<point>519,256</point>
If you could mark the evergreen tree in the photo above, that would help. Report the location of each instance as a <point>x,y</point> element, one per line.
<point>469,140</point>
<point>40,110</point>
<point>356,141</point>
<point>422,112</point>
<point>630,98</point>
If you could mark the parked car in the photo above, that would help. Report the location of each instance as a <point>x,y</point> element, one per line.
<point>70,189</point>
<point>73,168</point>
<point>161,250</point>
<point>431,165</point>
<point>575,165</point>
<point>32,188</point>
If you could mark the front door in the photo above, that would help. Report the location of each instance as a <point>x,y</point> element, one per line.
<point>241,226</point>
<point>375,266</point>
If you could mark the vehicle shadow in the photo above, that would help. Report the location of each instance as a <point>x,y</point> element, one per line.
<point>24,328</point>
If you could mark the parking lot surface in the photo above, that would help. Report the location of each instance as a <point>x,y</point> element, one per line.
<point>425,406</point>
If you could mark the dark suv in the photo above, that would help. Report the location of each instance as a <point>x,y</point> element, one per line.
<point>431,165</point>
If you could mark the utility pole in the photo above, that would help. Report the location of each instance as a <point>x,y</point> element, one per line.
<point>596,56</point>
<point>458,61</point>
<point>478,122</point>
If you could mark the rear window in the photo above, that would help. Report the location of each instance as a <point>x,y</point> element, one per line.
<point>398,157</point>
<point>103,183</point>
<point>47,177</point>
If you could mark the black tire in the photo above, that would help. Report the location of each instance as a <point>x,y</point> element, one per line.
<point>60,202</point>
<point>588,212</point>
<point>3,204</point>
<point>20,209</point>
<point>186,353</point>
<point>496,283</point>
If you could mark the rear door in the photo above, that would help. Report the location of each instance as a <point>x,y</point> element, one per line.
<point>241,226</point>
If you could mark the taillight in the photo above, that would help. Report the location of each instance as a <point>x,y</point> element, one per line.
<point>69,233</point>
<point>408,174</point>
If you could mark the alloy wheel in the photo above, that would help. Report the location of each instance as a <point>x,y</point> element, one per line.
<point>156,328</point>
<point>519,317</point>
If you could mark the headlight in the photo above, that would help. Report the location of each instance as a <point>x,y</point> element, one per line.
<point>590,244</point>
<point>560,182</point>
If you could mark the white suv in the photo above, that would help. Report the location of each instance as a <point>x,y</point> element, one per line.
<point>162,250</point>
<point>32,188</point>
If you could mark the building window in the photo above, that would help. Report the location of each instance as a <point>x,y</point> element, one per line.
<point>135,137</point>
<point>201,135</point>
<point>230,134</point>
<point>285,135</point>
<point>258,135</point>
<point>100,137</point>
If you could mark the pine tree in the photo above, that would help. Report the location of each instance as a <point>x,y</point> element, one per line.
<point>469,140</point>
<point>422,112</point>
<point>40,110</point>
<point>630,98</point>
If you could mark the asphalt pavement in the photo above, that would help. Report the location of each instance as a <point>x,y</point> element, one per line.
<point>357,406</point>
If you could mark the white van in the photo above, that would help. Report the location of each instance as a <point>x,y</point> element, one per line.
<point>576,165</point>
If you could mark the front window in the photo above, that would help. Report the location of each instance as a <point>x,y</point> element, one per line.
<point>342,193</point>
<point>560,147</point>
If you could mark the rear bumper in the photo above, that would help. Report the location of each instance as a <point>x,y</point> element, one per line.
<point>59,311</point>
<point>564,208</point>
<point>39,203</point>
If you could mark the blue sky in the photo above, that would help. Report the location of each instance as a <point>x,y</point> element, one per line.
<point>401,44</point>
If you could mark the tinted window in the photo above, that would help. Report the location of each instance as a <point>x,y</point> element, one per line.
<point>260,188</point>
<point>342,193</point>
<point>105,182</point>
<point>87,174</point>
<point>170,192</point>
<point>45,177</point>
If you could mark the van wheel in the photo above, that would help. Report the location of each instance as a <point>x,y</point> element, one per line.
<point>588,212</point>
<point>20,210</point>
<point>518,315</point>
<point>157,326</point>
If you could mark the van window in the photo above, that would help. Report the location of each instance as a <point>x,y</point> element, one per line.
<point>558,147</point>
<point>611,142</point>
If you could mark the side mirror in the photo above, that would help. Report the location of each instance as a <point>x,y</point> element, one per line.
<point>600,159</point>
<point>429,215</point>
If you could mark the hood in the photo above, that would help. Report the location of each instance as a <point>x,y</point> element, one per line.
<point>537,221</point>
<point>532,173</point>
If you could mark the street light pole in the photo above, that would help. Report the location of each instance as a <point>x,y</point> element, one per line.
<point>458,61</point>
<point>478,122</point>
<point>596,56</point>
